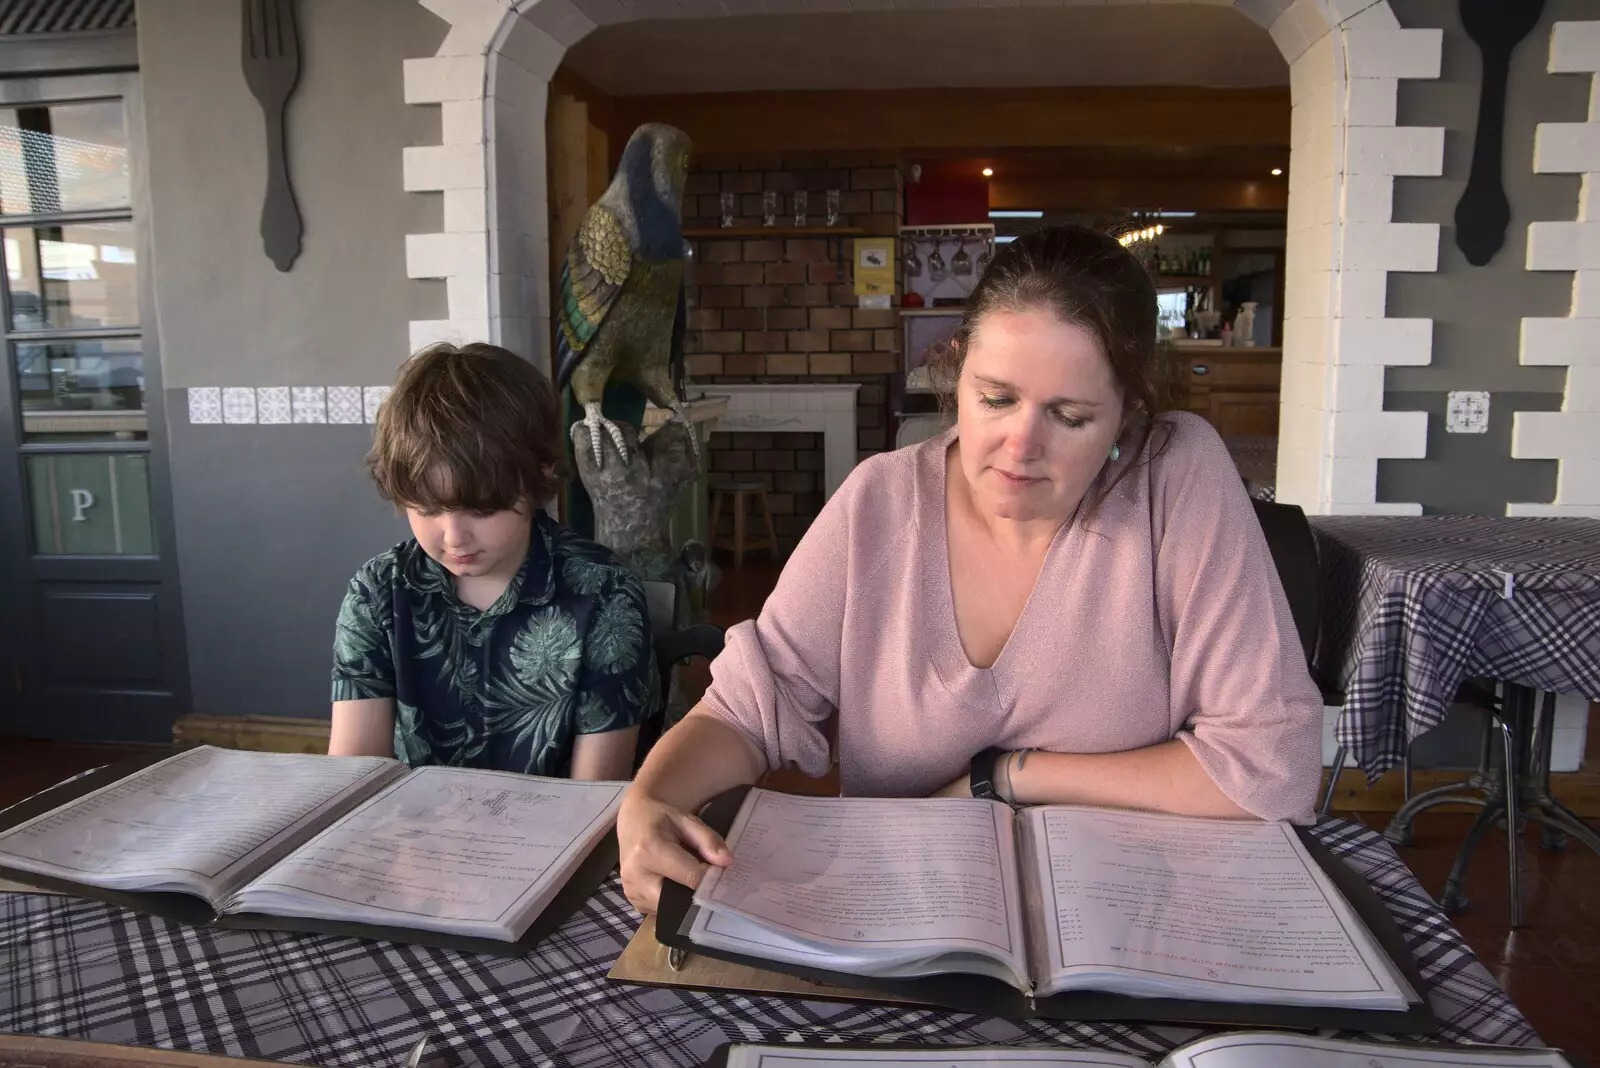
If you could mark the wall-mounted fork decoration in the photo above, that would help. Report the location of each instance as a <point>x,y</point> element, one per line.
<point>1483,212</point>
<point>271,57</point>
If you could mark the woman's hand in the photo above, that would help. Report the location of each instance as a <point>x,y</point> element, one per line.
<point>655,842</point>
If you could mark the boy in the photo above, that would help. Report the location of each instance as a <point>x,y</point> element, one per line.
<point>495,637</point>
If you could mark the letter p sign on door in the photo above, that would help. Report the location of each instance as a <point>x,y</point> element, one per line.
<point>82,501</point>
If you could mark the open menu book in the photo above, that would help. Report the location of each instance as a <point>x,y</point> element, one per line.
<point>346,845</point>
<point>1238,1049</point>
<point>1198,919</point>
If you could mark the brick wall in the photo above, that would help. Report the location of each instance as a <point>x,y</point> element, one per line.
<point>781,308</point>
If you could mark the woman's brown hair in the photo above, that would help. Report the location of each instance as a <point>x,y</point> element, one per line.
<point>1086,278</point>
<point>472,428</point>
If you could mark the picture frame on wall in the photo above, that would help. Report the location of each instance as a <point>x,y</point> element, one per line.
<point>874,266</point>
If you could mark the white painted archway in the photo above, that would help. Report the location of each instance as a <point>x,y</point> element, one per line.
<point>491,75</point>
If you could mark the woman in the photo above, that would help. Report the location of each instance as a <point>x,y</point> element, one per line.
<point>1061,600</point>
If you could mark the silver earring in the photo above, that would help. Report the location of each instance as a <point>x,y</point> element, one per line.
<point>1116,453</point>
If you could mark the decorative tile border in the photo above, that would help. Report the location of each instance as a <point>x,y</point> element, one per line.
<point>310,404</point>
<point>344,404</point>
<point>285,405</point>
<point>371,398</point>
<point>272,404</point>
<point>205,404</point>
<point>238,404</point>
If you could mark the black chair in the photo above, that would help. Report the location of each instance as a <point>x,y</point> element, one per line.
<point>673,645</point>
<point>1294,555</point>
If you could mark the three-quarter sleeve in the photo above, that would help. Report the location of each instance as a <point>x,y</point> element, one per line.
<point>1239,681</point>
<point>777,679</point>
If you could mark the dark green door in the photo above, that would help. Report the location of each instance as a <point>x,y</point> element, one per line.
<point>89,608</point>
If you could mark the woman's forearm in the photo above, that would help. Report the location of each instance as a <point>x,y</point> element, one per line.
<point>697,760</point>
<point>1162,778</point>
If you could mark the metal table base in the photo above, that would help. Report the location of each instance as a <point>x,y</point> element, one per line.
<point>1526,738</point>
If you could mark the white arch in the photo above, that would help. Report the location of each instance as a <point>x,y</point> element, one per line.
<point>491,75</point>
<point>1569,436</point>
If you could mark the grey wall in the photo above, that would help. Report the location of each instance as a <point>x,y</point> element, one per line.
<point>271,521</point>
<point>271,525</point>
<point>1477,311</point>
<point>228,317</point>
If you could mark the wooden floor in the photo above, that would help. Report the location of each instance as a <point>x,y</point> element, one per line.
<point>1550,965</point>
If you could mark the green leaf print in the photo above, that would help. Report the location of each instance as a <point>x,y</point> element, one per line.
<point>547,648</point>
<point>594,715</point>
<point>615,636</point>
<point>585,577</point>
<point>357,631</point>
<point>536,726</point>
<point>410,745</point>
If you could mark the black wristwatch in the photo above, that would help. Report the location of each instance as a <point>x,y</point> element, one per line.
<point>980,776</point>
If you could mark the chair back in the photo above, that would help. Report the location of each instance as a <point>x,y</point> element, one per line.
<point>671,646</point>
<point>1294,554</point>
<point>661,601</point>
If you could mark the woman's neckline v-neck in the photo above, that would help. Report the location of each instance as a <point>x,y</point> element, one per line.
<point>954,664</point>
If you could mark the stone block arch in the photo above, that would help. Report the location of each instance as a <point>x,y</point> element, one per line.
<point>491,78</point>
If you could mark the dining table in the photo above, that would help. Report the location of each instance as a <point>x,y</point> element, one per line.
<point>83,969</point>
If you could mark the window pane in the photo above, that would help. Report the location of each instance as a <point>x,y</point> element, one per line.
<point>81,276</point>
<point>88,504</point>
<point>63,157</point>
<point>73,390</point>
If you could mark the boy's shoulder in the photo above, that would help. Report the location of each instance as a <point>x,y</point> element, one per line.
<point>387,568</point>
<point>584,567</point>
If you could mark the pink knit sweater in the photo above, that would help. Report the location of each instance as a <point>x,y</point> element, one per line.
<point>1160,617</point>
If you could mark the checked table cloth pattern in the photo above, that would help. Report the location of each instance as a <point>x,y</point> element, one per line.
<point>1414,605</point>
<point>81,969</point>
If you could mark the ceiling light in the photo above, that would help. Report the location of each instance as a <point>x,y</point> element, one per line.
<point>1277,172</point>
<point>1016,215</point>
<point>1176,214</point>
<point>988,172</point>
<point>1004,239</point>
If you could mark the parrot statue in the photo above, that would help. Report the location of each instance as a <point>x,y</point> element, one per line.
<point>620,303</point>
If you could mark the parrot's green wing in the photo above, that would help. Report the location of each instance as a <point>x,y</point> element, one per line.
<point>596,265</point>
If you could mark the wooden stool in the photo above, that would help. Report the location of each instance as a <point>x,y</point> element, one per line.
<point>739,491</point>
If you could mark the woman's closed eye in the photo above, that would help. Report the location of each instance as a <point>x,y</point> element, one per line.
<point>998,401</point>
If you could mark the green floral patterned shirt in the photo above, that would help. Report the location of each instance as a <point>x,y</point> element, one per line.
<point>564,651</point>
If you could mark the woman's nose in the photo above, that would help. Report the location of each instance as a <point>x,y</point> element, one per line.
<point>1025,436</point>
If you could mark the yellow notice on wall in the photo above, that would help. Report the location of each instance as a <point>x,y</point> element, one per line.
<point>874,265</point>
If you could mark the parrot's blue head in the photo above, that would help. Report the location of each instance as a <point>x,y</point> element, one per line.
<point>647,192</point>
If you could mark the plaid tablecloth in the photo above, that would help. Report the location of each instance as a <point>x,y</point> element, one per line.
<point>1413,605</point>
<point>81,969</point>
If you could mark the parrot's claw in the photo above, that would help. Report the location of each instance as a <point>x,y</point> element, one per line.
<point>618,440</point>
<point>593,422</point>
<point>680,416</point>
